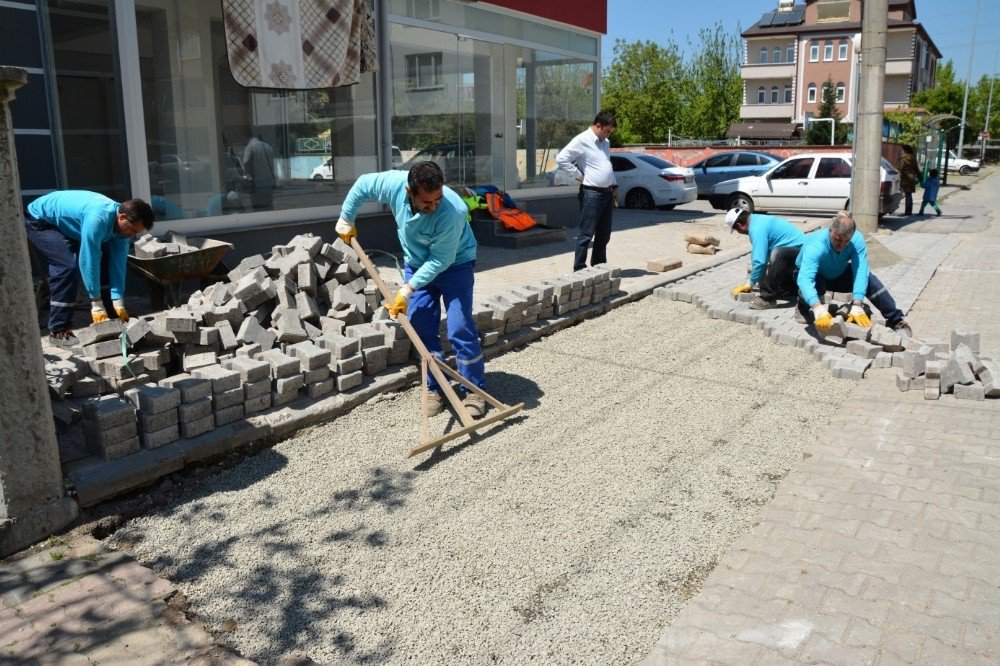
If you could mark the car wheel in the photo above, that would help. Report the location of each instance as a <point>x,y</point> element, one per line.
<point>317,177</point>
<point>741,201</point>
<point>640,199</point>
<point>964,170</point>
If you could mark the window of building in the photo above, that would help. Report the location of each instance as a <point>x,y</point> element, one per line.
<point>788,93</point>
<point>814,52</point>
<point>828,51</point>
<point>923,57</point>
<point>842,50</point>
<point>761,95</point>
<point>423,71</point>
<point>811,93</point>
<point>833,10</point>
<point>776,54</point>
<point>774,94</point>
<point>763,55</point>
<point>790,53</point>
<point>841,91</point>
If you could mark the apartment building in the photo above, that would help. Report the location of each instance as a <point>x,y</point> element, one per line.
<point>792,51</point>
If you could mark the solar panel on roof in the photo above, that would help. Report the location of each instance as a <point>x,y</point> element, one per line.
<point>766,19</point>
<point>779,18</point>
<point>795,17</point>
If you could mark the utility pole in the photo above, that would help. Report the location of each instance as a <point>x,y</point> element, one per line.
<point>33,502</point>
<point>867,169</point>
<point>968,77</point>
<point>989,103</point>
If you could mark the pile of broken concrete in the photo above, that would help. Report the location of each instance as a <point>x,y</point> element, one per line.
<point>300,324</point>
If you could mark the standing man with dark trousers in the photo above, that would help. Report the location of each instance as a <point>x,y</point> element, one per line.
<point>588,159</point>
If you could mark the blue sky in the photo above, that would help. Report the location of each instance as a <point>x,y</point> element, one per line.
<point>949,23</point>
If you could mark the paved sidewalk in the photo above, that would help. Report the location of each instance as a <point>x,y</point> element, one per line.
<point>881,547</point>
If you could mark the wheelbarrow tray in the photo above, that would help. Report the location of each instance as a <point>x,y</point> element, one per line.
<point>172,267</point>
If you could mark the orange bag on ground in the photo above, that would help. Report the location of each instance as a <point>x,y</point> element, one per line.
<point>511,218</point>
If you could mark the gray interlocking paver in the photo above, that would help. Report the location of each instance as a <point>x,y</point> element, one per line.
<point>892,520</point>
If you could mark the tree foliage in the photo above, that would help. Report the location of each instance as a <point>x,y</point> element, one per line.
<point>818,134</point>
<point>655,90</point>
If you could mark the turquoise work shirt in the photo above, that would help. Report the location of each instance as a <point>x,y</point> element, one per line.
<point>768,232</point>
<point>89,219</point>
<point>817,257</point>
<point>431,242</point>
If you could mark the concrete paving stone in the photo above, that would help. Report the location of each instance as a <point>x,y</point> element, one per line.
<point>375,359</point>
<point>158,438</point>
<point>347,381</point>
<point>320,388</point>
<point>250,369</point>
<point>366,334</point>
<point>310,356</point>
<point>260,403</point>
<point>197,427</point>
<point>191,361</point>
<point>862,349</point>
<point>152,399</point>
<point>100,439</point>
<point>932,369</point>
<point>109,411</point>
<point>291,384</point>
<point>104,349</point>
<point>282,365</point>
<point>973,391</point>
<point>955,372</point>
<point>971,339</point>
<point>229,398</point>
<point>883,360</point>
<point>399,352</point>
<point>193,411</point>
<point>340,346</point>
<point>856,332</point>
<point>317,375</point>
<point>223,379</point>
<point>106,330</point>
<point>181,321</point>
<point>228,415</point>
<point>990,377</point>
<point>154,422</point>
<point>256,389</point>
<point>904,383</point>
<point>351,364</point>
<point>207,335</point>
<point>191,388</point>
<point>227,337</point>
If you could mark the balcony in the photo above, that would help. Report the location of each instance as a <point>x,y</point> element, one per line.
<point>902,67</point>
<point>767,112</point>
<point>752,72</point>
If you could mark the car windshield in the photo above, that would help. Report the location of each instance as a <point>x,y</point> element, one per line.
<point>653,160</point>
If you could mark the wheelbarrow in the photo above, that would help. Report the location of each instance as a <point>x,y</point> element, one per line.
<point>166,274</point>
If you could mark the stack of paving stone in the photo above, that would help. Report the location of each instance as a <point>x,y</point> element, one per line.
<point>698,243</point>
<point>960,371</point>
<point>151,247</point>
<point>109,425</point>
<point>303,323</point>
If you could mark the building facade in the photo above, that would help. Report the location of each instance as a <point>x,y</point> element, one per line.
<point>136,98</point>
<point>794,51</point>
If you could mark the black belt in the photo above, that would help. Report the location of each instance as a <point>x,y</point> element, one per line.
<point>598,189</point>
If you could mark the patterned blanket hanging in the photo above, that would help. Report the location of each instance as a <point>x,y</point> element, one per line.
<point>299,44</point>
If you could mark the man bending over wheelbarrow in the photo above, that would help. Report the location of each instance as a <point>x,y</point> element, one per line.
<point>440,254</point>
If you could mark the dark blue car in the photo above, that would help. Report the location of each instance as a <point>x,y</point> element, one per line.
<point>716,168</point>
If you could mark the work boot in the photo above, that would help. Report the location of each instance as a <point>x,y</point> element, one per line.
<point>475,404</point>
<point>63,338</point>
<point>902,327</point>
<point>762,304</point>
<point>435,403</point>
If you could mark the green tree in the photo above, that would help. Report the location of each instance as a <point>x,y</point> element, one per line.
<point>714,87</point>
<point>818,134</point>
<point>945,97</point>
<point>911,121</point>
<point>644,87</point>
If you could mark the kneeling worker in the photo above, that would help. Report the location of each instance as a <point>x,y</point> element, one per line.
<point>776,243</point>
<point>76,227</point>
<point>838,260</point>
<point>440,254</point>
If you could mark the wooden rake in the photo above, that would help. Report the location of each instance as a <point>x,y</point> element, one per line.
<point>441,372</point>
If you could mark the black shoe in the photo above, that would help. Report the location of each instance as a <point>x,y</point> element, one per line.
<point>902,327</point>
<point>762,304</point>
<point>63,338</point>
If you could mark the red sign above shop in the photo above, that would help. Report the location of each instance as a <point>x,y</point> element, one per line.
<point>586,14</point>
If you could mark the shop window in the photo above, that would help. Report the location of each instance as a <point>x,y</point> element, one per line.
<point>423,71</point>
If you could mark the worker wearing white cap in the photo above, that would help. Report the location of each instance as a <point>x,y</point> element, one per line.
<point>776,243</point>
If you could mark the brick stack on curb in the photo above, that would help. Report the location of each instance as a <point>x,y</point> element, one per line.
<point>157,407</point>
<point>958,369</point>
<point>109,425</point>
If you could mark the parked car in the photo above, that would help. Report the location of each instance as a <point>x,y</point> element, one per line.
<point>324,171</point>
<point>647,181</point>
<point>814,182</point>
<point>716,168</point>
<point>962,165</point>
<point>457,160</point>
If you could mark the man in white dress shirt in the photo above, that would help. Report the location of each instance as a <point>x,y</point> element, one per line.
<point>588,159</point>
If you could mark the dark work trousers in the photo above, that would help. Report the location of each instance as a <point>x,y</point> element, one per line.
<point>453,285</point>
<point>779,279</point>
<point>908,206</point>
<point>876,293</point>
<point>595,223</point>
<point>58,255</point>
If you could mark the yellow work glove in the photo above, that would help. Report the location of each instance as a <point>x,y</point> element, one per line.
<point>402,299</point>
<point>97,313</point>
<point>346,230</point>
<point>120,309</point>
<point>742,289</point>
<point>822,318</point>
<point>858,316</point>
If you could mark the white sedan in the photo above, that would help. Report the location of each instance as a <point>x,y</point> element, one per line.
<point>647,181</point>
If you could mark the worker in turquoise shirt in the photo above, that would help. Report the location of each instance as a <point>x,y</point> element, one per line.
<point>440,254</point>
<point>76,228</point>
<point>838,260</point>
<point>775,247</point>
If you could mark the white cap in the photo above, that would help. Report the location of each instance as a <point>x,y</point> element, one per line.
<point>732,216</point>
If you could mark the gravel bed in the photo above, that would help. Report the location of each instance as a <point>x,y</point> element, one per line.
<point>651,438</point>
